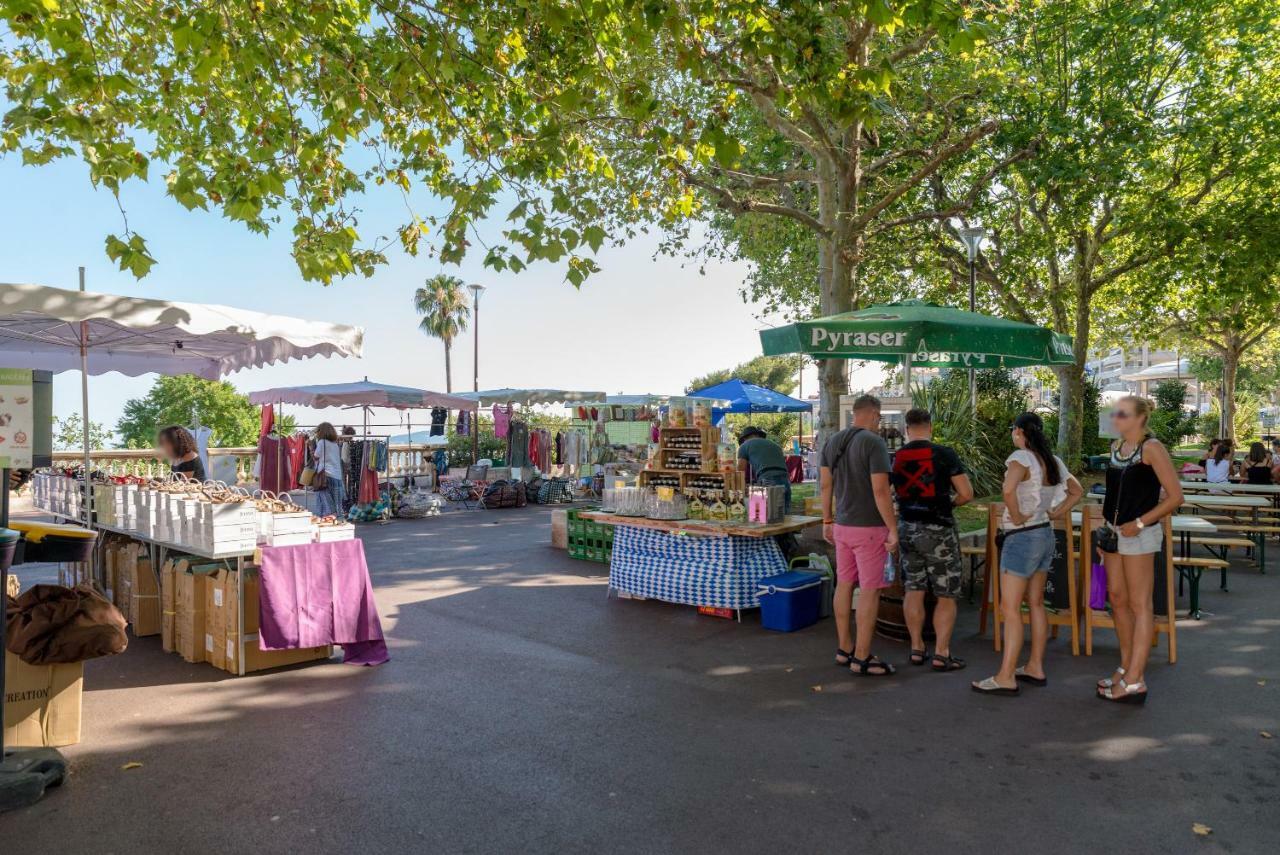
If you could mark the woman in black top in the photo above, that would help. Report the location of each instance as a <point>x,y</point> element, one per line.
<point>1257,466</point>
<point>179,446</point>
<point>1138,470</point>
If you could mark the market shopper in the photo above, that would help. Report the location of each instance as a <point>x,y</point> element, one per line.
<point>328,457</point>
<point>929,481</point>
<point>1037,490</point>
<point>178,446</point>
<point>1139,474</point>
<point>858,518</point>
<point>762,462</point>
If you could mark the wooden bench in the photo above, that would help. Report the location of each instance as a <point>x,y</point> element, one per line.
<point>1191,570</point>
<point>1218,546</point>
<point>1258,533</point>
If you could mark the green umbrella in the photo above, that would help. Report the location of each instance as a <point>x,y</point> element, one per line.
<point>922,334</point>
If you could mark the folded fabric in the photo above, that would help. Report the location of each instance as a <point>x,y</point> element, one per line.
<point>317,594</point>
<point>53,625</point>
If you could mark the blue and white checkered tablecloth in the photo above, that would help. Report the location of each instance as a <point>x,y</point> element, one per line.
<point>699,571</point>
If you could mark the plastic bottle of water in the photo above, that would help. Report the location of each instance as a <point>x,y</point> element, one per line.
<point>890,571</point>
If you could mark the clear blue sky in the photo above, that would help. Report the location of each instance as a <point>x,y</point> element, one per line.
<point>642,325</point>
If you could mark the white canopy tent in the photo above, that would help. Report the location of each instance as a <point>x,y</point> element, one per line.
<point>532,397</point>
<point>361,394</point>
<point>365,395</point>
<point>665,401</point>
<point>60,330</point>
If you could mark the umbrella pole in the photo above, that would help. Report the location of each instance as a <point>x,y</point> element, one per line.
<point>84,409</point>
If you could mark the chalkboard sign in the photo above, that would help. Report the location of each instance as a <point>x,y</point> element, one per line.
<point>1057,587</point>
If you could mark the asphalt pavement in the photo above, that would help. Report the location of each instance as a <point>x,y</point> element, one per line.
<point>523,711</point>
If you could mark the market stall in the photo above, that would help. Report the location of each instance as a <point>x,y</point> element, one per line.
<point>690,531</point>
<point>57,329</point>
<point>359,453</point>
<point>530,447</point>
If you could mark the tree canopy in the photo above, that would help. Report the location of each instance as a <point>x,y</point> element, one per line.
<point>780,373</point>
<point>184,400</point>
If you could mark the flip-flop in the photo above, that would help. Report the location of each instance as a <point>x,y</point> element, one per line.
<point>1023,677</point>
<point>989,686</point>
<point>949,663</point>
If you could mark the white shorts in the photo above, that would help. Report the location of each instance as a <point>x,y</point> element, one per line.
<point>1147,541</point>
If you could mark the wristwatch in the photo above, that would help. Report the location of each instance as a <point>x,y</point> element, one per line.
<point>1140,523</point>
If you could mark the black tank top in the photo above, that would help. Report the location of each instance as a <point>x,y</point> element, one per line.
<point>1132,487</point>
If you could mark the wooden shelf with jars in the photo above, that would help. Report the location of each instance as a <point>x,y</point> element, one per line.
<point>692,480</point>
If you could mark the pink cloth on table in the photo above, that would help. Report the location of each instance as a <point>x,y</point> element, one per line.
<point>318,594</point>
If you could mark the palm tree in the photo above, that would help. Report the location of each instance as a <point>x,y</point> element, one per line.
<point>442,302</point>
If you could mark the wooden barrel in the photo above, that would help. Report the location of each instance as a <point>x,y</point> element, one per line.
<point>891,622</point>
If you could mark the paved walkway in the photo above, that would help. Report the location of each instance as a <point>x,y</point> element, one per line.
<point>522,712</point>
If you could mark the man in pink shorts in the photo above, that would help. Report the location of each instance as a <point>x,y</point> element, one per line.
<point>858,517</point>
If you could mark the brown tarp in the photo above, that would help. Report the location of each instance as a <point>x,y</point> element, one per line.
<point>51,625</point>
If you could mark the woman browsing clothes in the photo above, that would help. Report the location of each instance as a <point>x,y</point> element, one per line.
<point>328,457</point>
<point>1037,490</point>
<point>1142,489</point>
<point>179,447</point>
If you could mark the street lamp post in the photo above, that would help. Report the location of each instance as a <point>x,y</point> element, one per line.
<point>476,290</point>
<point>972,237</point>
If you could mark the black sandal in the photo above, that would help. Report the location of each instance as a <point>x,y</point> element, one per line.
<point>847,657</point>
<point>918,656</point>
<point>862,667</point>
<point>948,663</point>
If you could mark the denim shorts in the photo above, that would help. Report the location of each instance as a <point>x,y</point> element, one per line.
<point>1027,552</point>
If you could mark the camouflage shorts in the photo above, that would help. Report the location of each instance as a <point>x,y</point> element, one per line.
<point>930,557</point>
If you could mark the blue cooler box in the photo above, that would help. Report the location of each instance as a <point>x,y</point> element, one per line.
<point>789,601</point>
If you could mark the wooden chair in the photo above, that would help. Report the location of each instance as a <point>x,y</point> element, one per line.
<point>1064,572</point>
<point>1101,619</point>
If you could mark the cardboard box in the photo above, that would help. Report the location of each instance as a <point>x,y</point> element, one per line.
<point>41,703</point>
<point>261,660</point>
<point>168,607</point>
<point>215,618</point>
<point>560,529</point>
<point>144,593</point>
<point>189,606</point>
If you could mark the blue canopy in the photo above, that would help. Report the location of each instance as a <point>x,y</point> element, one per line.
<point>750,398</point>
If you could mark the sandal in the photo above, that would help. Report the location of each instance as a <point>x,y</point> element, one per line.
<point>1125,693</point>
<point>1106,682</point>
<point>847,656</point>
<point>862,667</point>
<point>918,656</point>
<point>1020,674</point>
<point>947,663</point>
<point>989,686</point>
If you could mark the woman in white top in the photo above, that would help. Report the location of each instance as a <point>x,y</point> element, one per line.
<point>1217,469</point>
<point>1037,489</point>
<point>328,457</point>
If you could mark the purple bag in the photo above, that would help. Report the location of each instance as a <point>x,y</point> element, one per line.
<point>1098,588</point>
